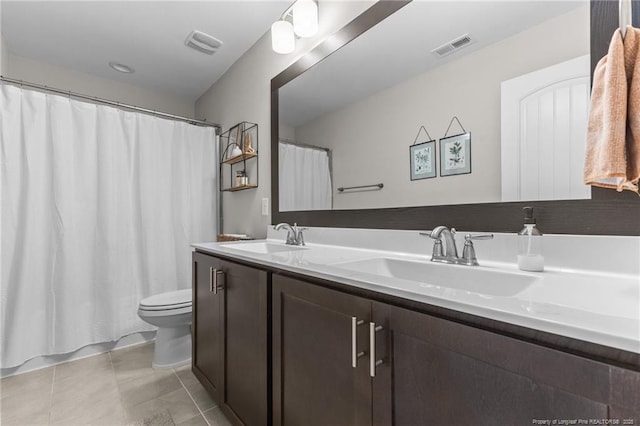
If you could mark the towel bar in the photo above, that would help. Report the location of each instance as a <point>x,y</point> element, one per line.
<point>346,188</point>
<point>624,16</point>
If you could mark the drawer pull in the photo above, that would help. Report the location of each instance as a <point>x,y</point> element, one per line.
<point>355,322</point>
<point>373,362</point>
<point>213,279</point>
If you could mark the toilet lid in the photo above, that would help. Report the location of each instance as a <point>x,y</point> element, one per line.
<point>170,300</point>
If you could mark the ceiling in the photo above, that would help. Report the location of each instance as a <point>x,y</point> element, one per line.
<point>148,36</point>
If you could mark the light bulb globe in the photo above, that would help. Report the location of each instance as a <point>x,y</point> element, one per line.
<point>282,37</point>
<point>305,18</point>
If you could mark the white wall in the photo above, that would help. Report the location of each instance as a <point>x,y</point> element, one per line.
<point>243,93</point>
<point>468,88</point>
<point>21,68</point>
<point>4,52</point>
<point>4,56</point>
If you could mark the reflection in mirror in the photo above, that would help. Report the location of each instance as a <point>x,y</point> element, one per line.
<point>431,61</point>
<point>304,176</point>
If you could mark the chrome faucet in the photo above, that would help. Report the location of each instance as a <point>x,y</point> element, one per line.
<point>295,237</point>
<point>450,255</point>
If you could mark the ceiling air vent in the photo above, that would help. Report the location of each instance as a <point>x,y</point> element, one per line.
<point>203,42</point>
<point>453,45</point>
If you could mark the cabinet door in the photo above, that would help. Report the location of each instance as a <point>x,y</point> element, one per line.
<point>314,382</point>
<point>441,372</point>
<point>244,327</point>
<point>206,331</point>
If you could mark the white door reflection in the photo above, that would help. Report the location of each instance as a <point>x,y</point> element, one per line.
<point>544,122</point>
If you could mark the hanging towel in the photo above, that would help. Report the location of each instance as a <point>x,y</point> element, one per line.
<point>613,150</point>
<point>632,67</point>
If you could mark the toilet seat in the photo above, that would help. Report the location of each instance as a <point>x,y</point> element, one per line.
<point>167,301</point>
<point>171,313</point>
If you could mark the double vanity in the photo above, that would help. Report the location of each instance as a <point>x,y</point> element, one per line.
<point>360,327</point>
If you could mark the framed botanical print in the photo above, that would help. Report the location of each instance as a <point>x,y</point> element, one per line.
<point>455,155</point>
<point>423,160</point>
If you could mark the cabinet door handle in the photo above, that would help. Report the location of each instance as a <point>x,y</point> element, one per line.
<point>213,279</point>
<point>373,362</point>
<point>355,322</point>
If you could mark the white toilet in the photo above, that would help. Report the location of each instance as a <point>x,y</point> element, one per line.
<point>171,313</point>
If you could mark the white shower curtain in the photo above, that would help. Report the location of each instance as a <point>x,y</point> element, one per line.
<point>99,207</point>
<point>305,178</point>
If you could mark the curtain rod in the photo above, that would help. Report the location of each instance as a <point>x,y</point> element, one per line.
<point>108,102</point>
<point>292,142</point>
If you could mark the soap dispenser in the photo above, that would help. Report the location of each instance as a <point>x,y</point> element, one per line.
<point>530,256</point>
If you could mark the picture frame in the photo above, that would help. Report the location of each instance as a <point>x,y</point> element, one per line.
<point>455,155</point>
<point>422,159</point>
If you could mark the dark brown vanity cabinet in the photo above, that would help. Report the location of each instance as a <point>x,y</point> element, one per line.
<point>230,337</point>
<point>314,381</point>
<point>440,372</point>
<point>205,327</point>
<point>425,371</point>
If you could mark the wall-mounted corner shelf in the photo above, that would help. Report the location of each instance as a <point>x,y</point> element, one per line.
<point>240,188</point>
<point>239,158</point>
<point>241,140</point>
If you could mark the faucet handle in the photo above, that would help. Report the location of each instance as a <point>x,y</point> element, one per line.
<point>470,237</point>
<point>429,234</point>
<point>437,245</point>
<point>469,252</point>
<point>300,235</point>
<point>437,249</point>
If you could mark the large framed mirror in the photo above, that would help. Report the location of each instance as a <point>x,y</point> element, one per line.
<point>325,102</point>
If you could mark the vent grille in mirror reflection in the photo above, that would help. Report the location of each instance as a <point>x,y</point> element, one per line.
<point>452,45</point>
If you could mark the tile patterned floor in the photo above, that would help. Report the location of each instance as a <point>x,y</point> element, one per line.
<point>113,389</point>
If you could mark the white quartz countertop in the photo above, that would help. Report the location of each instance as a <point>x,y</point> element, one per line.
<point>594,306</point>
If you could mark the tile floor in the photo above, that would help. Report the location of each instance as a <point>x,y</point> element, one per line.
<point>114,388</point>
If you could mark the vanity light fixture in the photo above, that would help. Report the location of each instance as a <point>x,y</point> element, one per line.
<point>299,20</point>
<point>305,18</point>
<point>282,38</point>
<point>121,67</point>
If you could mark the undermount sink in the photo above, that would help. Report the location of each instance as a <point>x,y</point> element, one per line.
<point>428,274</point>
<point>263,247</point>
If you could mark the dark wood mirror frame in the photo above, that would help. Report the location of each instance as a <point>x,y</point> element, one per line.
<point>607,213</point>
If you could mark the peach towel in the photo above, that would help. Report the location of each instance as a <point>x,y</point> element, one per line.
<point>613,133</point>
